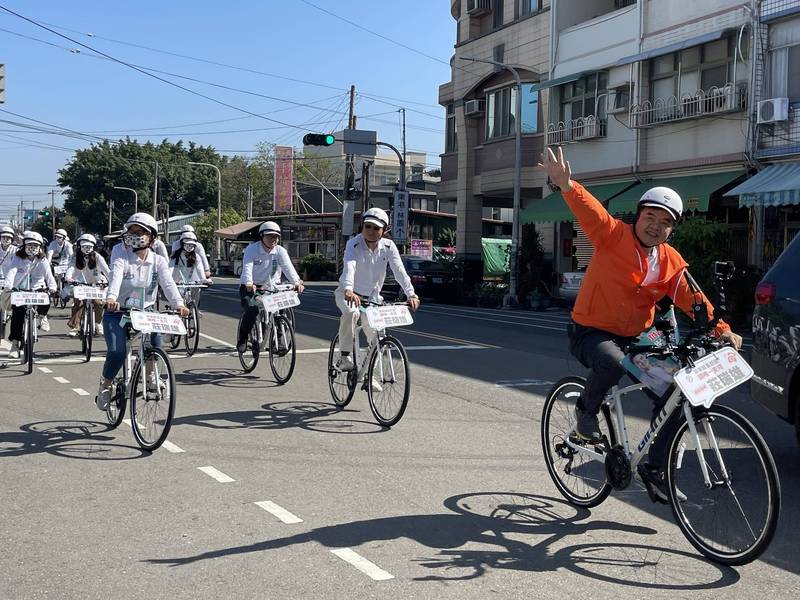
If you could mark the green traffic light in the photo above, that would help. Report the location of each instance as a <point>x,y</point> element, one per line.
<point>329,140</point>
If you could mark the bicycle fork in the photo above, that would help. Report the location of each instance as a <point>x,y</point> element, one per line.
<point>712,443</point>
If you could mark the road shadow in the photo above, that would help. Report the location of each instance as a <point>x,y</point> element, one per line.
<point>520,532</point>
<point>312,416</point>
<point>227,378</point>
<point>85,440</point>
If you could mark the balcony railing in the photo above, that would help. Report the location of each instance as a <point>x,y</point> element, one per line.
<point>703,103</point>
<point>575,130</point>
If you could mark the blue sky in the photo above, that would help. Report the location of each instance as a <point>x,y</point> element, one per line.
<point>290,39</point>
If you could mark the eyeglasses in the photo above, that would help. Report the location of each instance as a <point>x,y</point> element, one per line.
<point>371,226</point>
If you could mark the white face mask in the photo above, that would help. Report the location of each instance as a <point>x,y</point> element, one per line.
<point>189,248</point>
<point>31,249</point>
<point>136,241</point>
<point>59,240</point>
<point>5,242</point>
<point>87,248</point>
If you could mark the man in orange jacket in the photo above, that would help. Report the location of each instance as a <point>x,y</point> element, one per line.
<point>632,269</point>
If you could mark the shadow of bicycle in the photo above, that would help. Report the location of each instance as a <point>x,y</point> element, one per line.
<point>85,440</point>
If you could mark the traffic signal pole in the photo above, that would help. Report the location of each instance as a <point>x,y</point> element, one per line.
<point>53,211</point>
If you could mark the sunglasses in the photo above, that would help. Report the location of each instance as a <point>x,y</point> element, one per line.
<point>371,226</point>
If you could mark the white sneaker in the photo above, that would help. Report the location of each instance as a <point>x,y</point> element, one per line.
<point>98,329</point>
<point>103,397</point>
<point>345,363</point>
<point>376,386</point>
<point>72,332</point>
<point>14,352</point>
<point>45,324</point>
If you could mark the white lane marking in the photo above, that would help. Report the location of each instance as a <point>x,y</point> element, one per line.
<point>362,564</point>
<point>174,448</point>
<point>44,370</point>
<point>522,315</point>
<point>218,341</point>
<point>5,344</point>
<point>216,474</point>
<point>523,383</point>
<point>61,380</point>
<point>127,422</point>
<point>68,361</point>
<point>280,512</point>
<point>81,392</point>
<point>517,323</point>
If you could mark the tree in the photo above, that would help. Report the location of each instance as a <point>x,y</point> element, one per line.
<point>206,225</point>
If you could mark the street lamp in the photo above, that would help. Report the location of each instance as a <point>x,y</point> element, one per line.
<point>135,197</point>
<point>219,204</point>
<point>511,298</point>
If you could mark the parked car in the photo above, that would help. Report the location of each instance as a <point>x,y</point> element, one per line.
<point>570,284</point>
<point>776,338</point>
<point>430,278</point>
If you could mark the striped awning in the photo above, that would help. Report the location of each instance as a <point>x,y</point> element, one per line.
<point>777,185</point>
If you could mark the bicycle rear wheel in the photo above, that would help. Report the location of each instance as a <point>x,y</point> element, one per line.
<point>388,381</point>
<point>192,337</point>
<point>252,349</point>
<point>3,316</point>
<point>153,400</point>
<point>734,521</point>
<point>282,351</point>
<point>580,478</point>
<point>341,383</point>
<point>88,329</point>
<point>29,335</point>
<point>115,411</point>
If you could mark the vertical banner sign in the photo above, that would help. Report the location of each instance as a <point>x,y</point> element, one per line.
<point>400,217</point>
<point>282,184</point>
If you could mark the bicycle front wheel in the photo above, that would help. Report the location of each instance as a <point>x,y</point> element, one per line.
<point>152,398</point>
<point>282,351</point>
<point>734,520</point>
<point>192,337</point>
<point>341,383</point>
<point>29,335</point>
<point>388,381</point>
<point>88,329</point>
<point>579,477</point>
<point>249,357</point>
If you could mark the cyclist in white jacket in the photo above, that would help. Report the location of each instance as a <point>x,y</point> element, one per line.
<point>7,251</point>
<point>86,267</point>
<point>201,251</point>
<point>366,257</point>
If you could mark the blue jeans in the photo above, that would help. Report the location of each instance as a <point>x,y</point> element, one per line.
<point>116,342</point>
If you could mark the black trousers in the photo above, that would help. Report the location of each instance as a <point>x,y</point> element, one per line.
<point>18,320</point>
<point>250,314</point>
<point>601,352</point>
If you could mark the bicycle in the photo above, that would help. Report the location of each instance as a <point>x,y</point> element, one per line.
<point>191,322</point>
<point>88,294</point>
<point>701,470</point>
<point>272,326</point>
<point>30,334</point>
<point>147,380</point>
<point>384,362</point>
<point>59,297</point>
<point>4,314</point>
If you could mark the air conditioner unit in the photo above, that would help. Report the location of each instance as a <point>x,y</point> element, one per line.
<point>474,108</point>
<point>478,7</point>
<point>773,110</point>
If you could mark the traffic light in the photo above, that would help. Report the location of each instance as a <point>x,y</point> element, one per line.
<point>44,213</point>
<point>318,139</point>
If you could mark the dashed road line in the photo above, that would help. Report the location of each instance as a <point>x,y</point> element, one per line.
<point>511,383</point>
<point>81,392</point>
<point>367,567</point>
<point>170,447</point>
<point>279,512</point>
<point>218,341</point>
<point>44,369</point>
<point>61,380</point>
<point>216,474</point>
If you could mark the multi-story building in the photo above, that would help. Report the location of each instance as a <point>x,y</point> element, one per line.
<point>480,103</point>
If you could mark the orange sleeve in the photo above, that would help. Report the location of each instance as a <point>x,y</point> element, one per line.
<point>600,227</point>
<point>683,297</point>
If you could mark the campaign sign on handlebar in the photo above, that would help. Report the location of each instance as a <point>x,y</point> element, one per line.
<point>60,269</point>
<point>153,322</point>
<point>712,376</point>
<point>88,292</point>
<point>29,298</point>
<point>392,315</point>
<point>279,301</point>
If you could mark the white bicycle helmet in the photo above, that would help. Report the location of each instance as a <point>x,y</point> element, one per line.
<point>31,237</point>
<point>665,198</point>
<point>269,227</point>
<point>7,230</point>
<point>143,220</point>
<point>87,238</point>
<point>376,216</point>
<point>188,228</point>
<point>61,232</point>
<point>188,236</point>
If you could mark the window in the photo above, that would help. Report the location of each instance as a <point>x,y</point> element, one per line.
<point>497,13</point>
<point>584,98</point>
<point>623,3</point>
<point>451,139</point>
<point>785,73</point>
<point>501,111</point>
<point>689,71</point>
<point>528,7</point>
<point>622,98</point>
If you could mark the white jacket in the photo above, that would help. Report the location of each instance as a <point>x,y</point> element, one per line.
<point>200,250</point>
<point>29,274</point>
<point>6,256</point>
<point>260,267</point>
<point>365,270</point>
<point>183,273</point>
<point>87,275</point>
<point>62,254</point>
<point>134,282</point>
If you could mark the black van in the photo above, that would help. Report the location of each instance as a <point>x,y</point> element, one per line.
<point>776,337</point>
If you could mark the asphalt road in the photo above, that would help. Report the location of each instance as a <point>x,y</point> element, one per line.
<point>269,491</point>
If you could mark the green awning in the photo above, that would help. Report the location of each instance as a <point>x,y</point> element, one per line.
<point>694,189</point>
<point>495,256</point>
<point>553,209</point>
<point>543,85</point>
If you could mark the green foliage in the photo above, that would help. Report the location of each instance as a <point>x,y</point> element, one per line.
<point>206,225</point>
<point>489,294</point>
<point>317,267</point>
<point>702,242</point>
<point>447,237</point>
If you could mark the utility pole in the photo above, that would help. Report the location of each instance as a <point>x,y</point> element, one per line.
<point>403,164</point>
<point>53,210</point>
<point>249,202</point>
<point>155,192</point>
<point>110,212</point>
<point>349,175</point>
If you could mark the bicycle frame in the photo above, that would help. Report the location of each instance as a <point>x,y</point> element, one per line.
<point>373,346</point>
<point>674,403</point>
